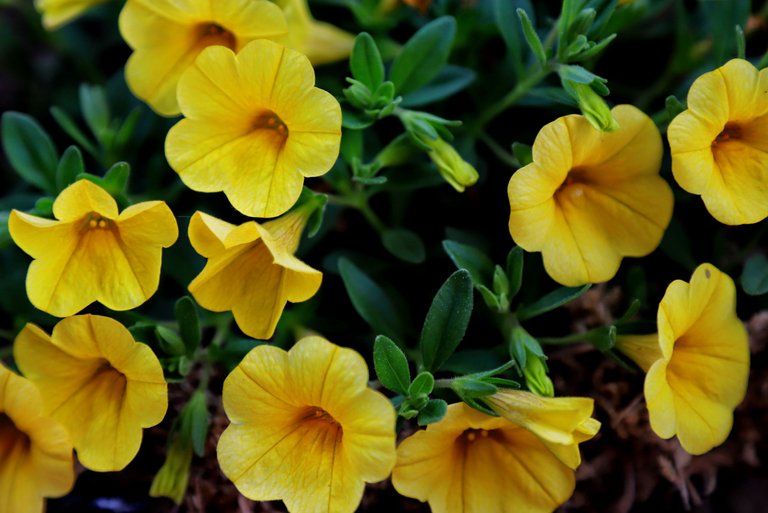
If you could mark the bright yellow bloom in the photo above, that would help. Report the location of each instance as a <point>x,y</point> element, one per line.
<point>59,12</point>
<point>719,144</point>
<point>35,450</point>
<point>167,35</point>
<point>470,462</point>
<point>590,198</point>
<point>101,384</point>
<point>91,252</point>
<point>251,269</point>
<point>321,42</point>
<point>561,423</point>
<point>698,364</point>
<point>255,127</point>
<point>306,428</point>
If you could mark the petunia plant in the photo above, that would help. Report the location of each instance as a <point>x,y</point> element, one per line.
<point>381,255</point>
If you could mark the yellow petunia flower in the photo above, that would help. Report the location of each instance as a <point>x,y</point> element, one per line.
<point>698,364</point>
<point>255,127</point>
<point>101,384</point>
<point>590,198</point>
<point>35,450</point>
<point>60,12</point>
<point>321,42</point>
<point>306,428</point>
<point>561,423</point>
<point>251,269</point>
<point>91,252</point>
<point>470,462</point>
<point>719,144</point>
<point>167,35</point>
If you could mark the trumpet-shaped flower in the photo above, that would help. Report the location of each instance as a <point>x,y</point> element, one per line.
<point>255,127</point>
<point>590,198</point>
<point>35,450</point>
<point>101,384</point>
<point>719,144</point>
<point>321,42</point>
<point>167,35</point>
<point>91,252</point>
<point>470,462</point>
<point>305,427</point>
<point>59,12</point>
<point>251,269</point>
<point>698,364</point>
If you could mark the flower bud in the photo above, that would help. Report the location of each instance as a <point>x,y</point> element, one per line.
<point>594,108</point>
<point>455,170</point>
<point>536,377</point>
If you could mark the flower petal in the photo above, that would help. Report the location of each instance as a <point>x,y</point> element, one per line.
<point>81,198</point>
<point>207,234</point>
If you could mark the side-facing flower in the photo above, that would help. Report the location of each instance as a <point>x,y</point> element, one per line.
<point>91,252</point>
<point>166,36</point>
<point>719,144</point>
<point>305,427</point>
<point>590,198</point>
<point>470,462</point>
<point>321,42</point>
<point>35,450</point>
<point>255,127</point>
<point>251,269</point>
<point>698,364</point>
<point>59,12</point>
<point>101,384</point>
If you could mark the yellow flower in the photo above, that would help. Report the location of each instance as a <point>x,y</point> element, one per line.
<point>455,170</point>
<point>719,144</point>
<point>101,384</point>
<point>251,269</point>
<point>91,252</point>
<point>35,451</point>
<point>321,42</point>
<point>255,127</point>
<point>590,198</point>
<point>698,364</point>
<point>167,35</point>
<point>561,423</point>
<point>305,427</point>
<point>59,12</point>
<point>470,462</point>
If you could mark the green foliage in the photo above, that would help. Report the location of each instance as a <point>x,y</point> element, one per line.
<point>30,151</point>
<point>754,276</point>
<point>404,244</point>
<point>189,324</point>
<point>391,365</point>
<point>551,301</point>
<point>423,56</point>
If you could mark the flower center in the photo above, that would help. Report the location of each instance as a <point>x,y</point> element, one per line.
<point>574,183</point>
<point>94,221</point>
<point>317,414</point>
<point>268,120</point>
<point>210,34</point>
<point>730,131</point>
<point>470,435</point>
<point>11,438</point>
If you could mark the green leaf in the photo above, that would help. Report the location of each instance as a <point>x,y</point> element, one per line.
<point>468,388</point>
<point>447,320</point>
<point>189,323</point>
<point>754,276</point>
<point>93,104</point>
<point>44,207</point>
<point>371,302</point>
<point>722,17</point>
<point>424,55</point>
<point>449,81</point>
<point>433,412</point>
<point>476,262</point>
<point>365,61</point>
<point>523,153</point>
<point>551,301</point>
<point>70,127</point>
<point>391,365</point>
<point>404,244</point>
<point>531,37</point>
<point>5,234</point>
<point>30,150</point>
<point>70,165</point>
<point>673,106</point>
<point>424,383</point>
<point>355,120</point>
<point>116,178</point>
<point>515,270</point>
<point>170,341</point>
<point>505,16</point>
<point>472,360</point>
<point>199,421</point>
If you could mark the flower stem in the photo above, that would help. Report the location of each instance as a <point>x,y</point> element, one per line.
<point>521,89</point>
<point>570,339</point>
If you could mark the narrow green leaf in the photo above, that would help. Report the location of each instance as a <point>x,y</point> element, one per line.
<point>30,150</point>
<point>70,127</point>
<point>551,301</point>
<point>365,61</point>
<point>532,37</point>
<point>198,421</point>
<point>95,110</point>
<point>391,365</point>
<point>754,276</point>
<point>424,383</point>
<point>116,178</point>
<point>477,263</point>
<point>424,55</point>
<point>505,16</point>
<point>433,412</point>
<point>468,388</point>
<point>404,244</point>
<point>449,81</point>
<point>70,165</point>
<point>523,153</point>
<point>371,302</point>
<point>189,323</point>
<point>170,341</point>
<point>447,320</point>
<point>515,270</point>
